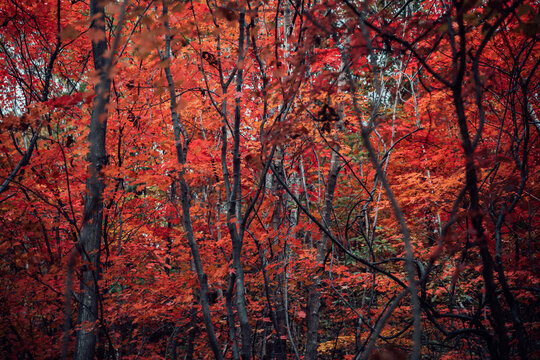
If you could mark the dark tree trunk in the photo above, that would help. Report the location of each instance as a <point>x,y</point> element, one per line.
<point>182,142</point>
<point>91,231</point>
<point>314,296</point>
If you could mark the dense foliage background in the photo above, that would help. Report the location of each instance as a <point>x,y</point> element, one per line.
<point>277,179</point>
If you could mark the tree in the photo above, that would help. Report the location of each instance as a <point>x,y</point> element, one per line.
<point>274,180</point>
<point>89,244</point>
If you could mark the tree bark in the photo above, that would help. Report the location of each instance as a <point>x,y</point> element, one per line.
<point>182,142</point>
<point>314,297</point>
<point>91,232</point>
<point>234,217</point>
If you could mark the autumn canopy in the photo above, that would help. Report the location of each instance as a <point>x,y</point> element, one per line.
<point>278,179</point>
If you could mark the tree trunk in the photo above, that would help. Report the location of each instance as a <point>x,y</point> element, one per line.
<point>91,231</point>
<point>182,141</point>
<point>314,296</point>
<point>235,204</point>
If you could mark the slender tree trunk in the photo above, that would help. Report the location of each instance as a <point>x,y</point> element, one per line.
<point>182,141</point>
<point>235,203</point>
<point>91,231</point>
<point>475,213</point>
<point>314,297</point>
<point>279,346</point>
<point>501,338</point>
